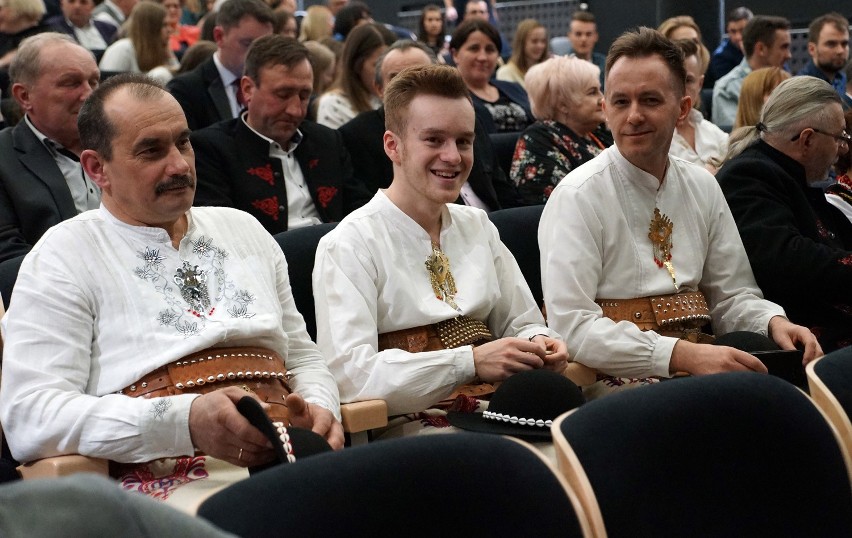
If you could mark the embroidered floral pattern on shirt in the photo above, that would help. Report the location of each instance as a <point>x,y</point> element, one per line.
<point>160,407</point>
<point>195,289</point>
<point>142,479</point>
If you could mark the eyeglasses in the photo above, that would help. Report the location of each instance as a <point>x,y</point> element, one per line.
<point>842,138</point>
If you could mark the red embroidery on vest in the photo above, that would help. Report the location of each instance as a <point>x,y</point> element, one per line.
<point>313,163</point>
<point>268,206</point>
<point>263,172</point>
<point>325,195</point>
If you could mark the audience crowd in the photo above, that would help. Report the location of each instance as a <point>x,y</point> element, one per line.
<point>151,150</point>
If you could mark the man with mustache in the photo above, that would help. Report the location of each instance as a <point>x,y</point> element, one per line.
<point>150,301</point>
<point>269,161</point>
<point>41,181</point>
<point>639,250</point>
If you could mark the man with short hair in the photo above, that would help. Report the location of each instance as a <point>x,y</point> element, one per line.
<point>148,351</point>
<point>113,12</point>
<point>583,34</point>
<point>487,186</point>
<point>41,181</point>
<point>476,9</point>
<point>286,171</point>
<point>639,250</point>
<point>407,284</point>
<point>828,47</point>
<point>799,245</point>
<point>211,92</point>
<point>766,42</point>
<point>77,21</point>
<point>729,53</point>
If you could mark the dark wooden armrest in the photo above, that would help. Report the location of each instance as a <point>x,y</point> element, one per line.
<point>63,466</point>
<point>362,416</point>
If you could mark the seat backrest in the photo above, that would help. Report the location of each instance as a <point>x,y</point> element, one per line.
<point>518,229</point>
<point>300,247</point>
<point>504,149</point>
<point>830,383</point>
<point>8,275</point>
<point>434,485</point>
<point>737,454</point>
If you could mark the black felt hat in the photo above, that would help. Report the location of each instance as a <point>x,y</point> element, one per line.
<point>524,406</point>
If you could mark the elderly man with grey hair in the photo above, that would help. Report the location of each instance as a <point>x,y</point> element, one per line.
<point>41,181</point>
<point>799,245</point>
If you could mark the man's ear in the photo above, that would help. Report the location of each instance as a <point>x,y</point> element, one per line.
<point>392,147</point>
<point>22,96</point>
<point>685,107</point>
<point>218,33</point>
<point>812,50</point>
<point>247,86</point>
<point>93,165</point>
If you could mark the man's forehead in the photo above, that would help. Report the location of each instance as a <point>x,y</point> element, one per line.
<point>829,31</point>
<point>654,78</point>
<point>583,26</point>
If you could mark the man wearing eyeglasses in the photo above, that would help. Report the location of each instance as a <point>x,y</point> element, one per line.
<point>799,245</point>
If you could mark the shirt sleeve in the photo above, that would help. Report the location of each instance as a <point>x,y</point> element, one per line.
<point>311,377</point>
<point>736,303</point>
<point>571,240</point>
<point>45,406</point>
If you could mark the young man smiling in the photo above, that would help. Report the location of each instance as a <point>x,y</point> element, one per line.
<point>415,295</point>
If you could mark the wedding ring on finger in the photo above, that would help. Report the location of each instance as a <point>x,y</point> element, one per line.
<point>240,455</point>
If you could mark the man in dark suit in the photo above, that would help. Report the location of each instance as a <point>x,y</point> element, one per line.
<point>486,187</point>
<point>211,92</point>
<point>76,20</point>
<point>41,181</point>
<point>270,162</point>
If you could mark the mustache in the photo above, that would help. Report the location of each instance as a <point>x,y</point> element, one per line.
<point>175,182</point>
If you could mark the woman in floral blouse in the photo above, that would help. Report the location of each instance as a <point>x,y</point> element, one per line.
<point>565,95</point>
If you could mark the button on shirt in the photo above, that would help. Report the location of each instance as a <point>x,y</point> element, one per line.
<point>85,193</point>
<point>301,210</point>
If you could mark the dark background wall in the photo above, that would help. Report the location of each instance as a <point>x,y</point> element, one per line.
<point>615,16</point>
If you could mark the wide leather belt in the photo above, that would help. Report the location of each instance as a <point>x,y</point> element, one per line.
<point>680,315</point>
<point>448,334</point>
<point>257,370</point>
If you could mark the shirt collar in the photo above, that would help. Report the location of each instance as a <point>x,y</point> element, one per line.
<point>227,76</point>
<point>294,141</point>
<point>52,145</point>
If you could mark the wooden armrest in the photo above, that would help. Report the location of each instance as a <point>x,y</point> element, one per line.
<point>580,374</point>
<point>362,416</point>
<point>63,466</point>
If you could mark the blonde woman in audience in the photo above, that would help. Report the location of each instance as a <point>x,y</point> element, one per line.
<point>565,94</point>
<point>354,90</point>
<point>317,24</point>
<point>685,27</point>
<point>696,139</point>
<point>147,44</point>
<point>19,19</point>
<point>755,91</point>
<point>529,48</point>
